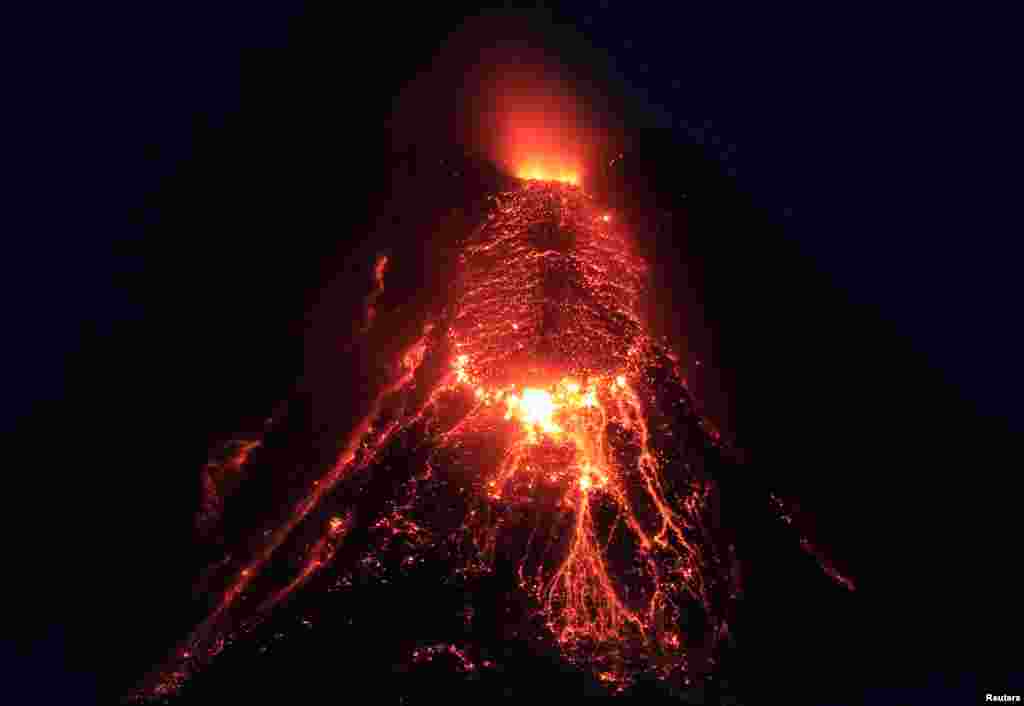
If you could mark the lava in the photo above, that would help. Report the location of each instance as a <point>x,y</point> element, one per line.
<point>534,172</point>
<point>538,396</point>
<point>548,340</point>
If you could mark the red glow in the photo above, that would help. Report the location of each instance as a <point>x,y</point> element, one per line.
<point>539,128</point>
<point>534,122</point>
<point>541,173</point>
<point>502,96</point>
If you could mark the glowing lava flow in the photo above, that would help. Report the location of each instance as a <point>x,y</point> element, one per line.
<point>539,398</point>
<point>550,346</point>
<point>581,599</point>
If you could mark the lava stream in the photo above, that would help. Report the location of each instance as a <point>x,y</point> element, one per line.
<point>538,392</point>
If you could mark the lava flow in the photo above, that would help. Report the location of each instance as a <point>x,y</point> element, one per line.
<point>552,440</point>
<point>548,340</point>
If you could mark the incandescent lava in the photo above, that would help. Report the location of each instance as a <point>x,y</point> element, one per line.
<point>553,441</point>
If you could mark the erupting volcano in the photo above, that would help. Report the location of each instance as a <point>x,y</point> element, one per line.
<point>535,434</point>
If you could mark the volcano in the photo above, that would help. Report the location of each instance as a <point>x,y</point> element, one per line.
<point>528,486</point>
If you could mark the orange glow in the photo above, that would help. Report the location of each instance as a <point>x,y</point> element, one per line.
<point>534,408</point>
<point>521,105</point>
<point>538,127</point>
<point>540,173</point>
<point>460,368</point>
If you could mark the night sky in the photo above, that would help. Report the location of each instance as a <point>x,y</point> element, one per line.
<point>188,179</point>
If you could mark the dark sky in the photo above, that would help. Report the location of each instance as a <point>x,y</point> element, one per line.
<point>179,167</point>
